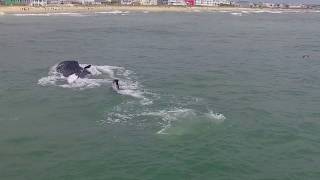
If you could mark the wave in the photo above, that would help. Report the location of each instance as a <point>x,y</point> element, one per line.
<point>100,75</point>
<point>236,14</point>
<point>113,12</point>
<point>274,12</point>
<point>245,12</point>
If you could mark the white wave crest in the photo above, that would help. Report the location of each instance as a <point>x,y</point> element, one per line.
<point>236,14</point>
<point>113,12</point>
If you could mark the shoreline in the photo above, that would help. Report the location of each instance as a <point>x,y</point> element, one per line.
<point>110,8</point>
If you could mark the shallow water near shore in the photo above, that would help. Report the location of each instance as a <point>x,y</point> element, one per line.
<point>204,96</point>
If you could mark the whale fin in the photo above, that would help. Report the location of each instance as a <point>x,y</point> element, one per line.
<point>87,67</point>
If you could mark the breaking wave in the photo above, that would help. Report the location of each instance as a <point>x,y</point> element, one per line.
<point>236,14</point>
<point>116,12</point>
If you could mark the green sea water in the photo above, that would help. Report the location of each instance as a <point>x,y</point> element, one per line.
<point>206,96</point>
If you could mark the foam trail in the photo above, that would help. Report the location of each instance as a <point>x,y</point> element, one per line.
<point>113,12</point>
<point>236,14</point>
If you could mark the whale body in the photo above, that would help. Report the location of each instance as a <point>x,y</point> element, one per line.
<point>67,68</point>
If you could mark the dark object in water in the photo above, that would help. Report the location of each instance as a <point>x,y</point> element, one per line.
<point>67,68</point>
<point>305,56</point>
<point>116,83</point>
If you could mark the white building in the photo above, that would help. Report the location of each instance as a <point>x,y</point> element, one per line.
<point>213,2</point>
<point>149,2</point>
<point>177,2</point>
<point>38,2</point>
<point>269,5</point>
<point>87,1</point>
<point>127,2</point>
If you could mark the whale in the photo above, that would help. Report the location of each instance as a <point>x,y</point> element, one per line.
<point>68,68</point>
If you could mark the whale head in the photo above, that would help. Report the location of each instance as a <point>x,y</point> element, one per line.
<point>67,68</point>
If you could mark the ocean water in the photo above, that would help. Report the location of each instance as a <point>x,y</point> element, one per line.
<point>221,95</point>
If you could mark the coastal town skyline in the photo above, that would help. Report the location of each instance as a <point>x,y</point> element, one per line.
<point>287,1</point>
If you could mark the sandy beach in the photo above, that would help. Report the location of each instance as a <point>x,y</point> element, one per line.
<point>103,8</point>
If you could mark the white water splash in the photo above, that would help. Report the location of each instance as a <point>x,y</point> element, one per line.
<point>100,76</point>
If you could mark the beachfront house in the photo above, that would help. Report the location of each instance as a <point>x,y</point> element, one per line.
<point>38,2</point>
<point>86,2</point>
<point>127,2</point>
<point>190,2</point>
<point>149,2</point>
<point>162,2</point>
<point>130,2</point>
<point>177,2</point>
<point>54,2</point>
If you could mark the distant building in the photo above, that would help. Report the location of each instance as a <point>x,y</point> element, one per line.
<point>162,2</point>
<point>54,2</point>
<point>177,2</point>
<point>127,2</point>
<point>314,6</point>
<point>204,2</point>
<point>105,1</point>
<point>80,2</point>
<point>190,2</point>
<point>212,2</point>
<point>256,5</point>
<point>84,2</point>
<point>149,2</point>
<point>38,2</point>
<point>270,5</point>
<point>244,4</point>
<point>15,2</point>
